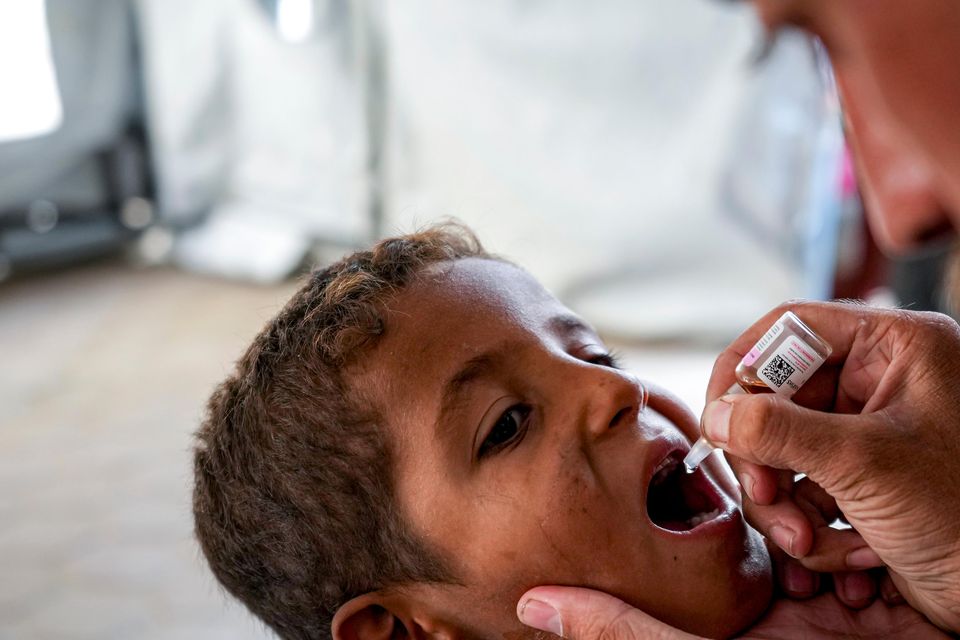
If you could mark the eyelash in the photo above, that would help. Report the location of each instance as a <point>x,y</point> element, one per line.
<point>490,447</point>
<point>610,359</point>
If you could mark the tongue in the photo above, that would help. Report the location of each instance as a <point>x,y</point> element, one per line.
<point>694,498</point>
<point>681,502</point>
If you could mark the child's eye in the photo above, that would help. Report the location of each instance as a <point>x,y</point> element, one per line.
<point>509,426</point>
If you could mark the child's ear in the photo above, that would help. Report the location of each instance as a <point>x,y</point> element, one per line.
<point>374,616</point>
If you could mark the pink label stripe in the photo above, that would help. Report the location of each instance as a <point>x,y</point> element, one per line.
<point>751,357</point>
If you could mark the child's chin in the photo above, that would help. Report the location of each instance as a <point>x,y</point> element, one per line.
<point>749,596</point>
<point>749,611</point>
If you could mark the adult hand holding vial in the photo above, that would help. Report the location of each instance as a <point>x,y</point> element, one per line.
<point>781,361</point>
<point>877,433</point>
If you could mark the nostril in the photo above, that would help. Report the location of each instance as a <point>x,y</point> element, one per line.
<point>941,230</point>
<point>620,416</point>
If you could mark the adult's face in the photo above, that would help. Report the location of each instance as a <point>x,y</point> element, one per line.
<point>897,66</point>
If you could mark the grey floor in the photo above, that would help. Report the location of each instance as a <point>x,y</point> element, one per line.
<point>103,375</point>
<point>104,371</point>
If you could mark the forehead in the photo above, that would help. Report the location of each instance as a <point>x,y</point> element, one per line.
<point>454,311</point>
<point>492,284</point>
<point>462,304</point>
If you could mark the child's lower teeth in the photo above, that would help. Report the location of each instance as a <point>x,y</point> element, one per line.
<point>700,518</point>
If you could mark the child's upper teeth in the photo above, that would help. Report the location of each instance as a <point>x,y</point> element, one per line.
<point>663,469</point>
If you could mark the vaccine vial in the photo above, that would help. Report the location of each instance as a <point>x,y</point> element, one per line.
<point>781,362</point>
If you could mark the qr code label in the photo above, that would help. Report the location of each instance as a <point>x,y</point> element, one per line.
<point>777,371</point>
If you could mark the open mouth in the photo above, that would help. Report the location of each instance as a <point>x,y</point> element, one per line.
<point>681,501</point>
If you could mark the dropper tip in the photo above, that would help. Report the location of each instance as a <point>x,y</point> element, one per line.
<point>700,450</point>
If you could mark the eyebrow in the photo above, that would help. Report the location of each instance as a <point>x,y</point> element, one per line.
<point>566,324</point>
<point>474,369</point>
<point>482,365</point>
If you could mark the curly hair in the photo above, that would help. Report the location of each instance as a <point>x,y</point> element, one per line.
<point>293,498</point>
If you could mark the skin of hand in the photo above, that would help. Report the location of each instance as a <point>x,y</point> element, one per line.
<point>583,614</point>
<point>877,434</point>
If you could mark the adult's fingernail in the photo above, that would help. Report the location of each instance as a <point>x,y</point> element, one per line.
<point>890,593</point>
<point>716,420</point>
<point>798,580</point>
<point>863,558</point>
<point>746,480</point>
<point>857,587</point>
<point>784,537</point>
<point>540,615</point>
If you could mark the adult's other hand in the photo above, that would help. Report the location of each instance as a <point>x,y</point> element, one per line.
<point>582,614</point>
<point>877,433</point>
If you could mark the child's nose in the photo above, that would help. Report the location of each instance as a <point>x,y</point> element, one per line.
<point>609,399</point>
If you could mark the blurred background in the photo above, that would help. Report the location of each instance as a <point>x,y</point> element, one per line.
<point>168,168</point>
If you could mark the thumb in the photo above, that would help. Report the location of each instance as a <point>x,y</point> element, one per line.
<point>769,430</point>
<point>583,614</point>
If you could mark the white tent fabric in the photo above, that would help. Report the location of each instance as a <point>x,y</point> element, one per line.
<point>256,135</point>
<point>623,151</point>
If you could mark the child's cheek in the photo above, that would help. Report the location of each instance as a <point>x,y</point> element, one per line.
<point>572,522</point>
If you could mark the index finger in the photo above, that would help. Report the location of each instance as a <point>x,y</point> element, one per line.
<point>838,323</point>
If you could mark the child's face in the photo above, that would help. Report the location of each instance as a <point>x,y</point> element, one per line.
<point>528,460</point>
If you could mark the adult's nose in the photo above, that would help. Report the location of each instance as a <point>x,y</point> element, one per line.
<point>896,179</point>
<point>900,196</point>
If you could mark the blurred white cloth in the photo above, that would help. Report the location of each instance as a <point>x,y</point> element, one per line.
<point>596,144</point>
<point>623,150</point>
<point>241,120</point>
<point>241,244</point>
